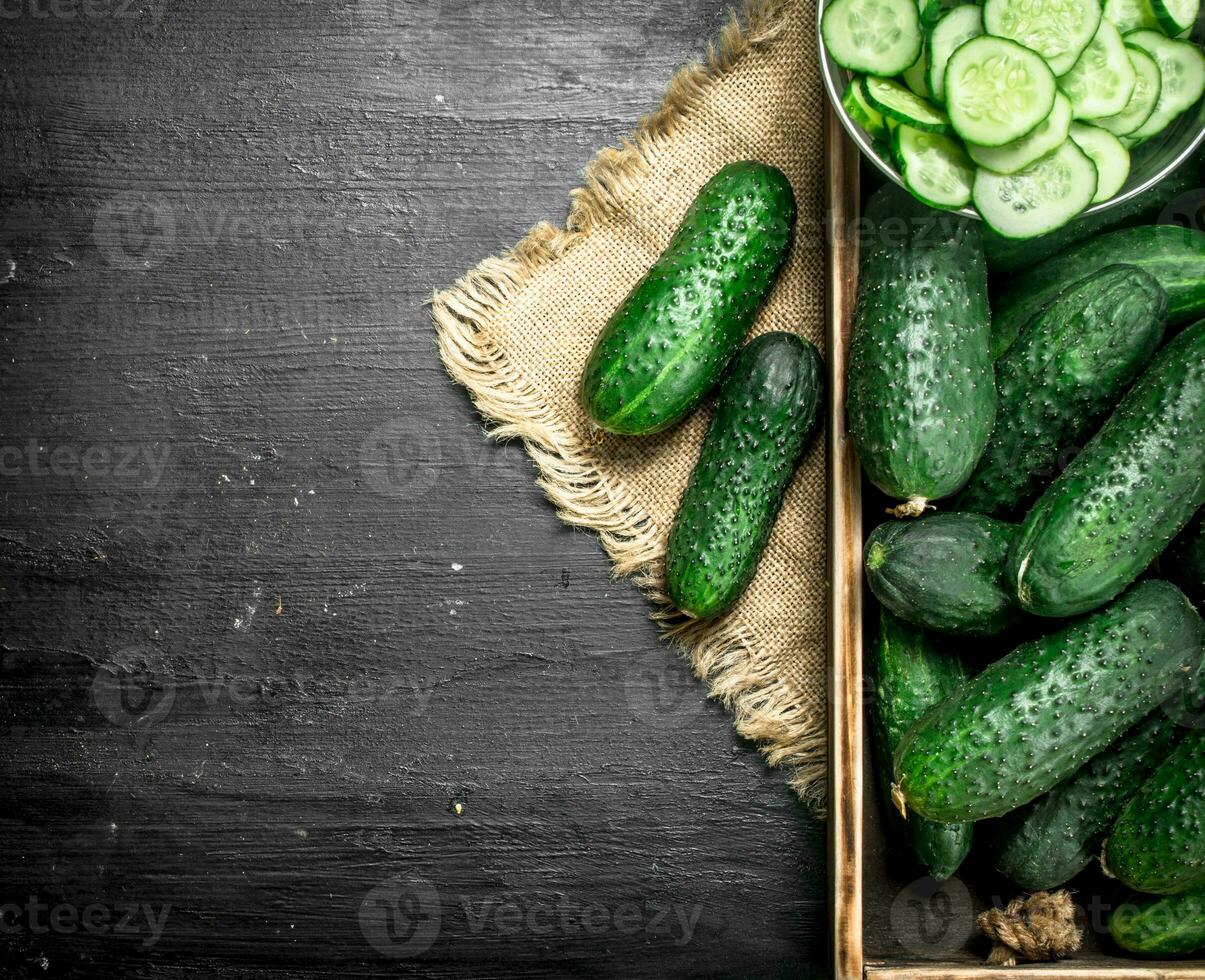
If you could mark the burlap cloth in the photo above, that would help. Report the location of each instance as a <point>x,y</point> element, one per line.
<point>516,332</point>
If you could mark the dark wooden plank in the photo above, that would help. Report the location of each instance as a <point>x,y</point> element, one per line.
<point>283,639</point>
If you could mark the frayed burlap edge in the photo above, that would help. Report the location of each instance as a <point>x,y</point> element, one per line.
<point>764,708</point>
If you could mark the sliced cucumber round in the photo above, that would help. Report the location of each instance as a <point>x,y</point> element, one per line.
<point>997,91</point>
<point>1130,15</point>
<point>1182,71</point>
<point>1148,83</point>
<point>1101,82</point>
<point>861,111</point>
<point>896,102</point>
<point>916,77</point>
<point>1058,30</point>
<point>952,31</point>
<point>1051,133</point>
<point>1111,159</point>
<point>1176,16</point>
<point>1039,199</point>
<point>935,168</point>
<point>880,37</point>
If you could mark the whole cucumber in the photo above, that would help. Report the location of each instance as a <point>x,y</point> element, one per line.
<point>1173,925</point>
<point>1066,371</point>
<point>668,343</point>
<point>922,398</point>
<point>1033,718</point>
<point>910,675</point>
<point>1184,561</point>
<point>1157,844</point>
<point>1174,255</point>
<point>764,418</point>
<point>1125,497</point>
<point>1048,842</point>
<point>944,572</point>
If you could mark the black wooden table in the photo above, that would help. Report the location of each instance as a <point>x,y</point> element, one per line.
<point>299,674</point>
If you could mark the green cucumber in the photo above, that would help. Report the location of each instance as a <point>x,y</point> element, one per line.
<point>878,37</point>
<point>668,343</point>
<point>1005,255</point>
<point>1125,497</point>
<point>1130,15</point>
<point>1032,719</point>
<point>1048,842</point>
<point>1058,30</point>
<point>935,168</point>
<point>1061,378</point>
<point>948,35</point>
<point>1102,80</point>
<point>1157,844</point>
<point>1039,199</point>
<point>1185,559</point>
<point>944,572</point>
<point>764,418</point>
<point>1148,86</point>
<point>996,90</point>
<point>910,675</point>
<point>860,110</point>
<point>1182,70</point>
<point>1108,155</point>
<point>922,399</point>
<point>1175,256</point>
<point>896,102</point>
<point>1173,925</point>
<point>1014,157</point>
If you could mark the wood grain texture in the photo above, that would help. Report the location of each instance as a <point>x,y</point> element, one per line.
<point>298,673</point>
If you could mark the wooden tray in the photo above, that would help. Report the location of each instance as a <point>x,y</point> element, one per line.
<point>875,932</point>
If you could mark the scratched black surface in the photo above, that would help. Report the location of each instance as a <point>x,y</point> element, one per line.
<point>299,674</point>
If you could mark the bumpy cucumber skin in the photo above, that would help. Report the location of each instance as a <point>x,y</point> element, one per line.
<point>1007,255</point>
<point>1125,497</point>
<point>1157,844</point>
<point>922,397</point>
<point>910,675</point>
<point>668,343</point>
<point>1066,371</point>
<point>944,572</point>
<point>764,418</point>
<point>1033,718</point>
<point>1050,841</point>
<point>1185,559</point>
<point>1175,256</point>
<point>1173,925</point>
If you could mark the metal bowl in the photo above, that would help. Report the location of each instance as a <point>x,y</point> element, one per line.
<point>1149,163</point>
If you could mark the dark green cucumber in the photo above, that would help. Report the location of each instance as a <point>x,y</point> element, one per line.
<point>944,572</point>
<point>1125,497</point>
<point>1174,255</point>
<point>1185,559</point>
<point>1033,718</point>
<point>668,343</point>
<point>765,415</point>
<point>1173,925</point>
<point>1048,842</point>
<point>910,675</point>
<point>1157,844</point>
<point>1008,255</point>
<point>922,398</point>
<point>1064,374</point>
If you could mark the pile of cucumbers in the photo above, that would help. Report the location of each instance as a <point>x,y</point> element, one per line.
<point>1026,108</point>
<point>675,339</point>
<point>1045,450</point>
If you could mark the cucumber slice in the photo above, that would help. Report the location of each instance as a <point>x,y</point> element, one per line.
<point>896,102</point>
<point>1182,71</point>
<point>1058,30</point>
<point>1130,15</point>
<point>1101,82</point>
<point>1111,159</point>
<point>997,91</point>
<point>1176,16</point>
<point>952,31</point>
<point>880,37</point>
<point>934,167</point>
<point>1148,84</point>
<point>1039,199</point>
<point>917,77</point>
<point>1013,157</point>
<point>861,111</point>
